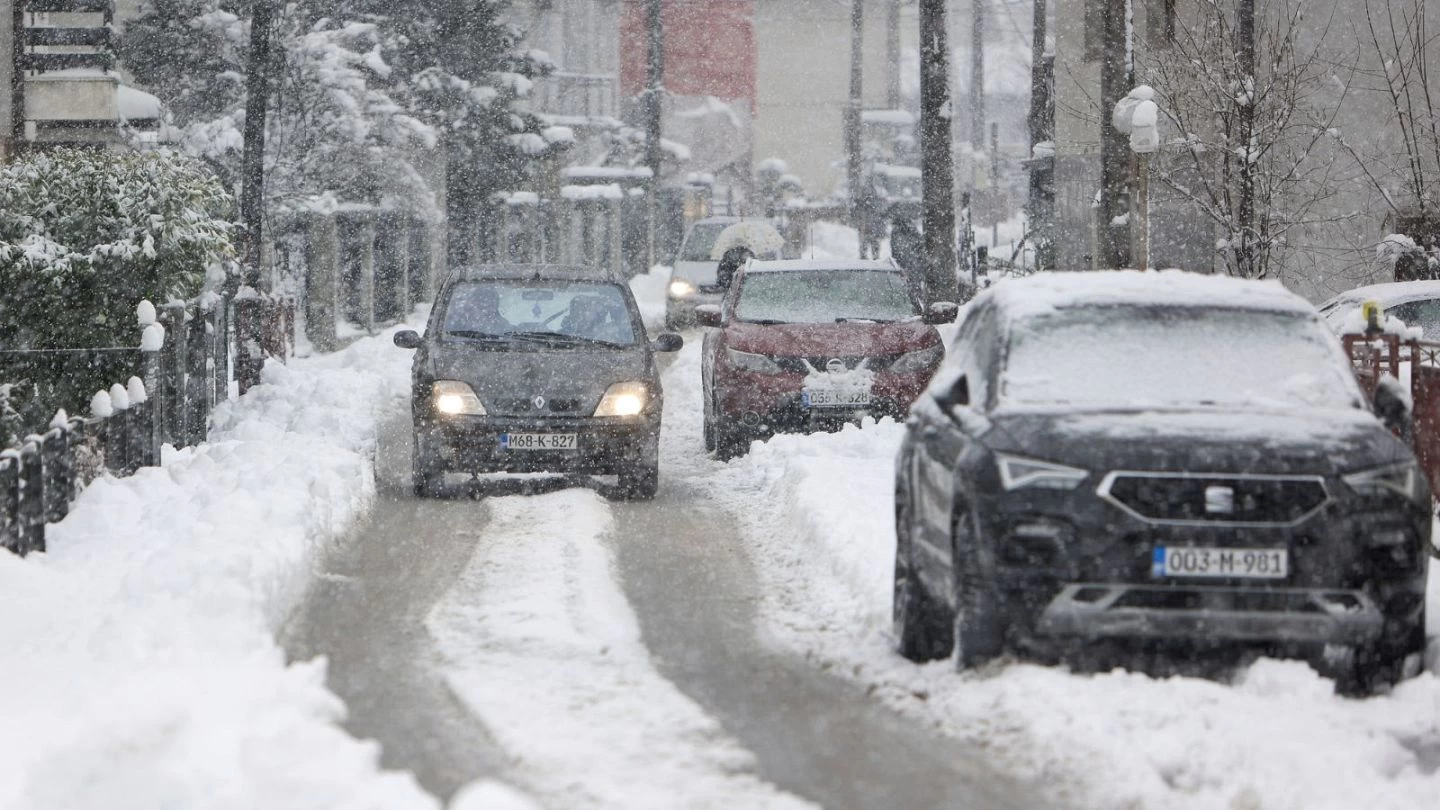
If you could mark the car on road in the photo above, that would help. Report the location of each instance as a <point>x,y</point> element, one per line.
<point>536,368</point>
<point>1416,303</point>
<point>1118,461</point>
<point>804,344</point>
<point>693,279</point>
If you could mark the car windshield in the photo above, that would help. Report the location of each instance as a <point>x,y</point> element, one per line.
<point>1138,357</point>
<point>556,311</point>
<point>700,240</point>
<point>824,296</point>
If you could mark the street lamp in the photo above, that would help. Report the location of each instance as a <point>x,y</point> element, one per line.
<point>1138,116</point>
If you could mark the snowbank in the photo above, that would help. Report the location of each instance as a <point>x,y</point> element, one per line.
<point>541,643</point>
<point>818,510</point>
<point>140,663</point>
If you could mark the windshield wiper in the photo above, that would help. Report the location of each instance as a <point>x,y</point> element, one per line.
<point>847,319</point>
<point>471,334</point>
<point>561,337</point>
<point>763,321</point>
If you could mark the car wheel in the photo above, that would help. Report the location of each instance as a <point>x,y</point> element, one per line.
<point>709,426</point>
<point>979,624</point>
<point>730,440</point>
<point>427,477</point>
<point>641,480</point>
<point>924,629</point>
<point>1398,654</point>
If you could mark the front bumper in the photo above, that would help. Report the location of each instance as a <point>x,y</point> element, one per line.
<point>1287,615</point>
<point>767,404</point>
<point>604,446</point>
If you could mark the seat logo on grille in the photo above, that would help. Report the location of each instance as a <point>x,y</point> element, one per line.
<point>538,402</point>
<point>834,365</point>
<point>1219,500</point>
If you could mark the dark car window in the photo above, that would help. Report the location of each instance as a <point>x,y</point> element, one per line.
<point>1145,356</point>
<point>588,310</point>
<point>1424,313</point>
<point>824,296</point>
<point>700,240</point>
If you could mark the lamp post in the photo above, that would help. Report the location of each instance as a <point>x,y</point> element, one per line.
<point>1138,116</point>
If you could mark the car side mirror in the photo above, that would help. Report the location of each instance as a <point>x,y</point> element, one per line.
<point>1392,407</point>
<point>667,342</point>
<point>708,315</point>
<point>408,339</point>
<point>941,312</point>
<point>958,393</point>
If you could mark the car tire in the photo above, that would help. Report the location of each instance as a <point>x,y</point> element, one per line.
<point>641,480</point>
<point>426,476</point>
<point>979,635</point>
<point>708,427</point>
<point>924,629</point>
<point>730,442</point>
<point>1398,654</point>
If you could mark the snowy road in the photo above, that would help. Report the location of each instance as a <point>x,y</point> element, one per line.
<point>603,655</point>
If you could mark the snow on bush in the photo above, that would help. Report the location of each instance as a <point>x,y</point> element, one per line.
<point>141,669</point>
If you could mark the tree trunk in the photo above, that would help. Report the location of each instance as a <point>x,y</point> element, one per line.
<point>938,181</point>
<point>1248,262</point>
<point>252,161</point>
<point>1115,82</point>
<point>853,167</point>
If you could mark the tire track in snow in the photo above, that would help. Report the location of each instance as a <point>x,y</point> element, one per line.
<point>541,643</point>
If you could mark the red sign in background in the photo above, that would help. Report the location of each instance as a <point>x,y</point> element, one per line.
<point>709,48</point>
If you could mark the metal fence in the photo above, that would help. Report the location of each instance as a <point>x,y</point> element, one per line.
<point>183,371</point>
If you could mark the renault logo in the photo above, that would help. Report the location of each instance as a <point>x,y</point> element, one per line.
<point>834,365</point>
<point>538,402</point>
<point>1219,501</point>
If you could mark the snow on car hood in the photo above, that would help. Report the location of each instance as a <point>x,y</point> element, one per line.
<point>850,339</point>
<point>554,373</point>
<point>1317,442</point>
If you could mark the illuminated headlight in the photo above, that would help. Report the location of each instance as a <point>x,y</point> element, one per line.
<point>1400,479</point>
<point>1017,472</point>
<point>920,360</point>
<point>455,398</point>
<point>680,288</point>
<point>624,399</point>
<point>746,361</point>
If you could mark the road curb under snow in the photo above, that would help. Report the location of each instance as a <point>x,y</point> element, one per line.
<point>141,667</point>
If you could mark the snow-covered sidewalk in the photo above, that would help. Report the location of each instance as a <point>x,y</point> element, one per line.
<point>140,666</point>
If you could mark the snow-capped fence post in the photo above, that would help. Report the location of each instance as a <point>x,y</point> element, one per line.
<point>10,500</point>
<point>57,464</point>
<point>170,404</point>
<point>117,429</point>
<point>152,341</point>
<point>31,514</point>
<point>322,271</point>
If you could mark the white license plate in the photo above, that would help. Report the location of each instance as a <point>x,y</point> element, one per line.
<point>538,441</point>
<point>1221,563</point>
<point>823,398</point>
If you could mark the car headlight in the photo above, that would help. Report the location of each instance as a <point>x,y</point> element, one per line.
<point>680,288</point>
<point>1017,472</point>
<point>624,399</point>
<point>919,360</point>
<point>1400,479</point>
<point>746,361</point>
<point>455,399</point>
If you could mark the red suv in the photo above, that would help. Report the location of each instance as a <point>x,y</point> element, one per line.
<point>804,345</point>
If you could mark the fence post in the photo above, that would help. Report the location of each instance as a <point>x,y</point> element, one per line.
<point>118,434</point>
<point>172,375</point>
<point>58,466</point>
<point>196,376</point>
<point>222,349</point>
<point>32,497</point>
<point>10,500</point>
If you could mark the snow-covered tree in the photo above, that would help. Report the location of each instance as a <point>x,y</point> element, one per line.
<point>85,236</point>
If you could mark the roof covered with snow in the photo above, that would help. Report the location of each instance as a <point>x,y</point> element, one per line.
<point>790,265</point>
<point>1046,292</point>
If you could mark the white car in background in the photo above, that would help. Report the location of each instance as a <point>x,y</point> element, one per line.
<point>1416,303</point>
<point>693,282</point>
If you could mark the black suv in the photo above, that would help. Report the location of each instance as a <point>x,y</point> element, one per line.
<point>527,368</point>
<point>1112,461</point>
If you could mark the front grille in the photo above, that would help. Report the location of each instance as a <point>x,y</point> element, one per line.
<point>526,406</point>
<point>1181,498</point>
<point>821,362</point>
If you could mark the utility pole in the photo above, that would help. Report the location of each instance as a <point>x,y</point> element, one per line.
<point>654,108</point>
<point>1115,157</point>
<point>252,159</point>
<point>892,54</point>
<point>17,80</point>
<point>1246,258</point>
<point>852,119</point>
<point>977,76</point>
<point>937,166</point>
<point>1042,179</point>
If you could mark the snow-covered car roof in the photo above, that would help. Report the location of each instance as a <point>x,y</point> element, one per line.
<point>790,265</point>
<point>1388,294</point>
<point>1041,293</point>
